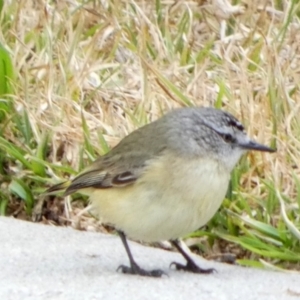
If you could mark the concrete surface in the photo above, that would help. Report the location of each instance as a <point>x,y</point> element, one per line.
<point>45,262</point>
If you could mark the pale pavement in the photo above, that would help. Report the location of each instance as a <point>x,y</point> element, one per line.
<point>45,262</point>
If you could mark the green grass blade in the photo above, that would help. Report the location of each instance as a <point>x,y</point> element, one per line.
<point>21,189</point>
<point>15,152</point>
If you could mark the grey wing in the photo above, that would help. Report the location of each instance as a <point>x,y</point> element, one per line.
<point>109,171</point>
<point>125,163</point>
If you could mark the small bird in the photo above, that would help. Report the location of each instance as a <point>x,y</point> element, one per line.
<point>165,179</point>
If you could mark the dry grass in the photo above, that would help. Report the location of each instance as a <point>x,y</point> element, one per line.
<point>89,73</point>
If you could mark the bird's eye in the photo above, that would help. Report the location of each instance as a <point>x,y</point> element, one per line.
<point>228,138</point>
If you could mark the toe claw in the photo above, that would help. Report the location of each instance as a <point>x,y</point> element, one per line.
<point>177,265</point>
<point>136,270</point>
<point>124,269</point>
<point>192,267</point>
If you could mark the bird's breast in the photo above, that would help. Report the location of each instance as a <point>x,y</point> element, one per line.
<point>174,197</point>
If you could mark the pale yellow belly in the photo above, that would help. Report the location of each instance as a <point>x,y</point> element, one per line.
<point>170,201</point>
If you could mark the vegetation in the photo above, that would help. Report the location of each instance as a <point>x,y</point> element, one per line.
<point>76,77</point>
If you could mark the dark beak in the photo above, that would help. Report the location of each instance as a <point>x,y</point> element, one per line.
<point>252,145</point>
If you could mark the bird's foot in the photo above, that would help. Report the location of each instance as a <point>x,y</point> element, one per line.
<point>134,269</point>
<point>192,267</point>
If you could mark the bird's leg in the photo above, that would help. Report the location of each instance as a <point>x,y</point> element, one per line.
<point>134,268</point>
<point>190,266</point>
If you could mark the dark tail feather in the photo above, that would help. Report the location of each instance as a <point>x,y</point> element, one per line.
<point>57,188</point>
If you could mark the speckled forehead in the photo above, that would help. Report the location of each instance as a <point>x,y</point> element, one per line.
<point>233,122</point>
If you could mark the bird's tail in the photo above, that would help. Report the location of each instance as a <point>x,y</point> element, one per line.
<point>60,187</point>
